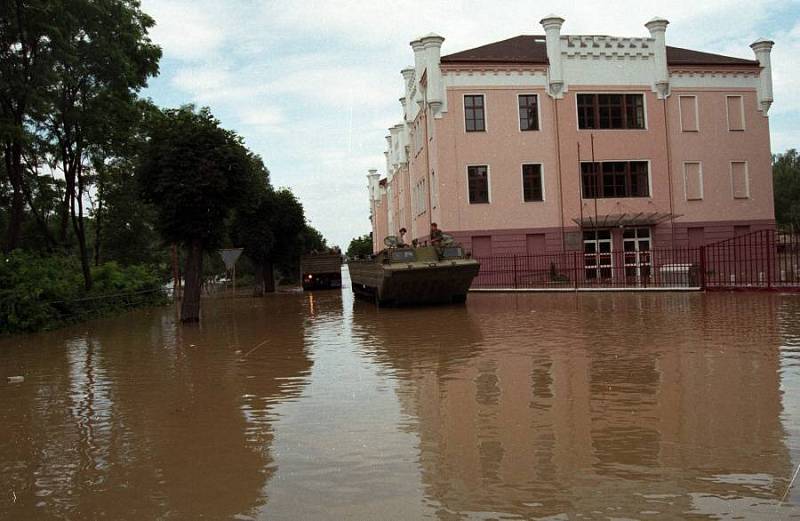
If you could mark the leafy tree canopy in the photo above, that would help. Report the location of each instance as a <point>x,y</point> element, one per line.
<point>194,173</point>
<point>360,246</point>
<point>786,180</point>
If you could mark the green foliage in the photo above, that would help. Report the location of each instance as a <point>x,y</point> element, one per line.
<point>43,292</point>
<point>360,246</point>
<point>313,240</point>
<point>128,234</point>
<point>193,172</point>
<point>786,183</point>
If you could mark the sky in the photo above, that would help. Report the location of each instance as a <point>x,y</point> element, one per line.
<point>312,86</point>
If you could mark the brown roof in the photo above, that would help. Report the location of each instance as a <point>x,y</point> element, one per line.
<point>532,49</point>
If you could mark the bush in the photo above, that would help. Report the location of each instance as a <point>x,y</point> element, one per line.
<point>43,292</point>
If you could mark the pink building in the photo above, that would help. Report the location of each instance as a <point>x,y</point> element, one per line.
<point>543,144</point>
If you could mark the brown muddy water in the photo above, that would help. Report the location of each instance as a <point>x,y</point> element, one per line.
<point>313,406</point>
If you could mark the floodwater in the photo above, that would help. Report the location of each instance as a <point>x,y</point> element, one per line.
<point>313,406</point>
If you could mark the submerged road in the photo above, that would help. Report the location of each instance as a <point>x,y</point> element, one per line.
<point>313,406</point>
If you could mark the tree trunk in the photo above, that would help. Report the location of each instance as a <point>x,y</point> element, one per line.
<point>190,308</point>
<point>13,154</point>
<point>269,277</point>
<point>176,272</point>
<point>258,287</point>
<point>98,221</point>
<point>79,228</point>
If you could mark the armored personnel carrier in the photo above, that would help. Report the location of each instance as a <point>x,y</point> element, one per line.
<point>321,270</point>
<point>403,275</point>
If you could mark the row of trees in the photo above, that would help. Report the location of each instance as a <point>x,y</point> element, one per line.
<point>786,186</point>
<point>91,169</point>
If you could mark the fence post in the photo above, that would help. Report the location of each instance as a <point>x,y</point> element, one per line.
<point>575,267</point>
<point>703,268</point>
<point>515,272</point>
<point>771,245</point>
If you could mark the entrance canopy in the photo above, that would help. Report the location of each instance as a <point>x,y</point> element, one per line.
<point>616,220</point>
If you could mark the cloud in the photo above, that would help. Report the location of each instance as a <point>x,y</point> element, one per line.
<point>183,30</point>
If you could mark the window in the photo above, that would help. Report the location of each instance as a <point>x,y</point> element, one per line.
<point>528,112</point>
<point>474,116</point>
<point>615,179</point>
<point>610,111</point>
<point>735,113</point>
<point>739,180</point>
<point>478,178</point>
<point>532,183</point>
<point>693,180</point>
<point>688,108</point>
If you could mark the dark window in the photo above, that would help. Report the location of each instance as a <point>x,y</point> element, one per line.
<point>404,256</point>
<point>610,111</point>
<point>478,177</point>
<point>452,252</point>
<point>532,182</point>
<point>528,112</point>
<point>615,179</point>
<point>473,113</point>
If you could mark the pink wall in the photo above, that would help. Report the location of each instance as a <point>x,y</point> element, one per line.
<point>505,148</point>
<point>715,147</point>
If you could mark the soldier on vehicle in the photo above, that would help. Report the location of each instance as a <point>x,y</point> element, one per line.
<point>401,238</point>
<point>436,235</point>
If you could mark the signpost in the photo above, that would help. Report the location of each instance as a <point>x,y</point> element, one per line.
<point>229,257</point>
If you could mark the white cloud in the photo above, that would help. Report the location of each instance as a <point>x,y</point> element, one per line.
<point>184,30</point>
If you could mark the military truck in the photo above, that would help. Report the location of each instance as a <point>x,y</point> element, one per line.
<point>321,270</point>
<point>403,275</point>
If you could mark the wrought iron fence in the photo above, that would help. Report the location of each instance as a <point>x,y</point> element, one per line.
<point>759,260</point>
<point>764,259</point>
<point>657,268</point>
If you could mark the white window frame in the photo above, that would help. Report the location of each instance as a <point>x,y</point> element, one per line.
<point>728,115</point>
<point>686,181</point>
<point>522,181</point>
<point>538,112</point>
<point>649,177</point>
<point>644,107</point>
<point>485,113</point>
<point>488,182</point>
<point>746,180</point>
<point>696,112</point>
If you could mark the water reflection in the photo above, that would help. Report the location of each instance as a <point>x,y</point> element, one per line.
<point>652,405</point>
<point>173,423</point>
<point>312,406</point>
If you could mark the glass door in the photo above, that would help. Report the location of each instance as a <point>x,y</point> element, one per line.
<point>637,259</point>
<point>597,260</point>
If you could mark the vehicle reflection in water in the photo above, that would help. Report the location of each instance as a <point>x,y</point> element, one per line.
<point>656,405</point>
<point>312,406</point>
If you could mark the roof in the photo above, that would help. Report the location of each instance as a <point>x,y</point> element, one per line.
<point>532,49</point>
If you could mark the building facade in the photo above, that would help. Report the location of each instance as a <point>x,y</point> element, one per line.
<point>544,144</point>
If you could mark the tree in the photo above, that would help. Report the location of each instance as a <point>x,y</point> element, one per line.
<point>360,246</point>
<point>28,32</point>
<point>786,187</point>
<point>313,240</point>
<point>102,58</point>
<point>252,225</point>
<point>193,172</point>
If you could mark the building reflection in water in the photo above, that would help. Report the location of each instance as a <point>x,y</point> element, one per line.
<point>638,404</point>
<point>171,424</point>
